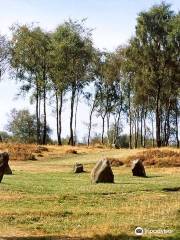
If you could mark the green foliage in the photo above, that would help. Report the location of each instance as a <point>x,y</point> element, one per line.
<point>72,52</point>
<point>139,80</point>
<point>23,126</point>
<point>4,54</point>
<point>4,136</point>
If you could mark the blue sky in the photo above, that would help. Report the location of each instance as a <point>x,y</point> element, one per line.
<point>113,22</point>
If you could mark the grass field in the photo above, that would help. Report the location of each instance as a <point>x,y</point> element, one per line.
<point>44,198</point>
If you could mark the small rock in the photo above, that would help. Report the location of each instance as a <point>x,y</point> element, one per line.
<point>78,168</point>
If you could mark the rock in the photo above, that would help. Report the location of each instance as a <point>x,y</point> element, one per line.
<point>8,170</point>
<point>102,172</point>
<point>4,158</point>
<point>78,168</point>
<point>138,168</point>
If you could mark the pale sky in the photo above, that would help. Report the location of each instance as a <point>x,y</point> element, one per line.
<point>113,22</point>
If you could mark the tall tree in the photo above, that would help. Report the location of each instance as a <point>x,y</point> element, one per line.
<point>76,52</point>
<point>30,62</point>
<point>153,52</point>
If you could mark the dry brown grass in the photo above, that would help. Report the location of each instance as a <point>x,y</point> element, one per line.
<point>115,162</point>
<point>71,151</point>
<point>23,152</point>
<point>19,151</point>
<point>165,157</point>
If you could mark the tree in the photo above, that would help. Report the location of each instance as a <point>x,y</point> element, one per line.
<point>22,125</point>
<point>4,136</point>
<point>153,49</point>
<point>76,55</point>
<point>3,54</point>
<point>58,74</point>
<point>3,57</point>
<point>91,100</point>
<point>105,88</point>
<point>29,49</point>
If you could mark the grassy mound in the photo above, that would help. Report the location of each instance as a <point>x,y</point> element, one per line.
<point>158,158</point>
<point>19,151</point>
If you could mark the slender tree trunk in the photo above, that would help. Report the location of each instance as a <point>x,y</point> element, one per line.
<point>60,117</point>
<point>45,121</point>
<point>71,139</point>
<point>177,133</point>
<point>37,119</point>
<point>168,123</point>
<point>135,132</point>
<point>59,99</point>
<point>142,112</point>
<point>57,117</point>
<point>75,117</point>
<point>90,123</point>
<point>152,126</point>
<point>158,119</point>
<point>103,124</point>
<point>108,126</point>
<point>117,132</point>
<point>130,120</point>
<point>144,137</point>
<point>137,129</point>
<point>37,115</point>
<point>164,138</point>
<point>117,125</point>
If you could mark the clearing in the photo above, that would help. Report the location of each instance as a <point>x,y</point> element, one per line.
<point>45,198</point>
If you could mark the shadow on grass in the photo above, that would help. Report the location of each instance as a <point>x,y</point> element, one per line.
<point>174,189</point>
<point>154,176</point>
<point>97,237</point>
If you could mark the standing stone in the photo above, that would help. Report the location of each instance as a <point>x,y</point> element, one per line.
<point>8,170</point>
<point>4,158</point>
<point>78,168</point>
<point>102,172</point>
<point>138,168</point>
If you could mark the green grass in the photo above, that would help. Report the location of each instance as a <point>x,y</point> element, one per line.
<point>46,198</point>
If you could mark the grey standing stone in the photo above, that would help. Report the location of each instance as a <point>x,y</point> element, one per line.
<point>102,172</point>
